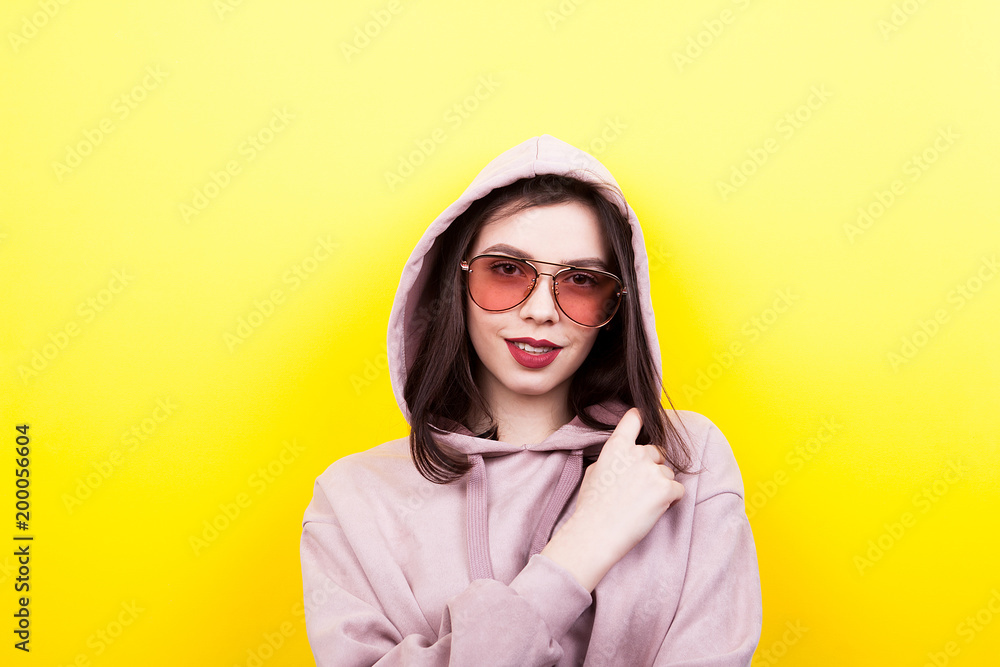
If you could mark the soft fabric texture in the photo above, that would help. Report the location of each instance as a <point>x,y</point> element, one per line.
<point>401,571</point>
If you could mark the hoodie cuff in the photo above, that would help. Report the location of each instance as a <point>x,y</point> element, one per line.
<point>553,592</point>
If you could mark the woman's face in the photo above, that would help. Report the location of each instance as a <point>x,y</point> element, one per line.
<point>567,233</point>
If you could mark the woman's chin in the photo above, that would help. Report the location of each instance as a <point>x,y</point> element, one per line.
<point>534,387</point>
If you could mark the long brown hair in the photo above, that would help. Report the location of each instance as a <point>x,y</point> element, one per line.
<point>440,386</point>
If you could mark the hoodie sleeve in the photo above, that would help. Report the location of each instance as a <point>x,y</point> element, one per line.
<point>489,623</point>
<point>719,616</point>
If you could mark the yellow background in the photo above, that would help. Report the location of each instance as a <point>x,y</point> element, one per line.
<point>674,98</point>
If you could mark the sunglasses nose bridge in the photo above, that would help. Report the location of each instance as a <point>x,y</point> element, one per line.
<point>555,283</point>
<point>554,291</point>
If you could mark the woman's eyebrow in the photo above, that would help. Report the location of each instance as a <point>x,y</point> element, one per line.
<point>503,248</point>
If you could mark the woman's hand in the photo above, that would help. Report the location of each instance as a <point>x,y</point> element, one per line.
<point>622,496</point>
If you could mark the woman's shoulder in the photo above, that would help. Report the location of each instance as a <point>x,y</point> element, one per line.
<point>712,458</point>
<point>389,461</point>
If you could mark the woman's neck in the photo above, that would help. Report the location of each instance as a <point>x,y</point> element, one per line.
<point>525,419</point>
<point>528,425</point>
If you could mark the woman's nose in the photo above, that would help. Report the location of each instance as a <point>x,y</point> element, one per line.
<point>540,305</point>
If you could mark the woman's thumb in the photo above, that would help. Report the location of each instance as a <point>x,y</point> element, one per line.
<point>628,427</point>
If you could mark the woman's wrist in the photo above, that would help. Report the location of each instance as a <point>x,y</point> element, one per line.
<point>573,548</point>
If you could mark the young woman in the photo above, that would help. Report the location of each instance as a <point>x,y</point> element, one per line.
<point>546,509</point>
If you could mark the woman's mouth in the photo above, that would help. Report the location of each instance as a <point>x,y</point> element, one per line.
<point>534,354</point>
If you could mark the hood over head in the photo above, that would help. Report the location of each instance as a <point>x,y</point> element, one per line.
<point>570,443</point>
<point>539,155</point>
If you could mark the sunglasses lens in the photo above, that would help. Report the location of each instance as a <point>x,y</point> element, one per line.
<point>498,283</point>
<point>587,297</point>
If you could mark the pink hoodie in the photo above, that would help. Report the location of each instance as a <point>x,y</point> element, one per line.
<point>400,571</point>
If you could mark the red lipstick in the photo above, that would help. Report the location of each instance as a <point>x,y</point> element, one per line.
<point>529,359</point>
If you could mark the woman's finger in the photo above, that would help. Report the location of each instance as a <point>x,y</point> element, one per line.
<point>628,427</point>
<point>654,453</point>
<point>677,491</point>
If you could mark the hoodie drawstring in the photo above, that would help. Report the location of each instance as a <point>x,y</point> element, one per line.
<point>478,528</point>
<point>568,480</point>
<point>478,525</point>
